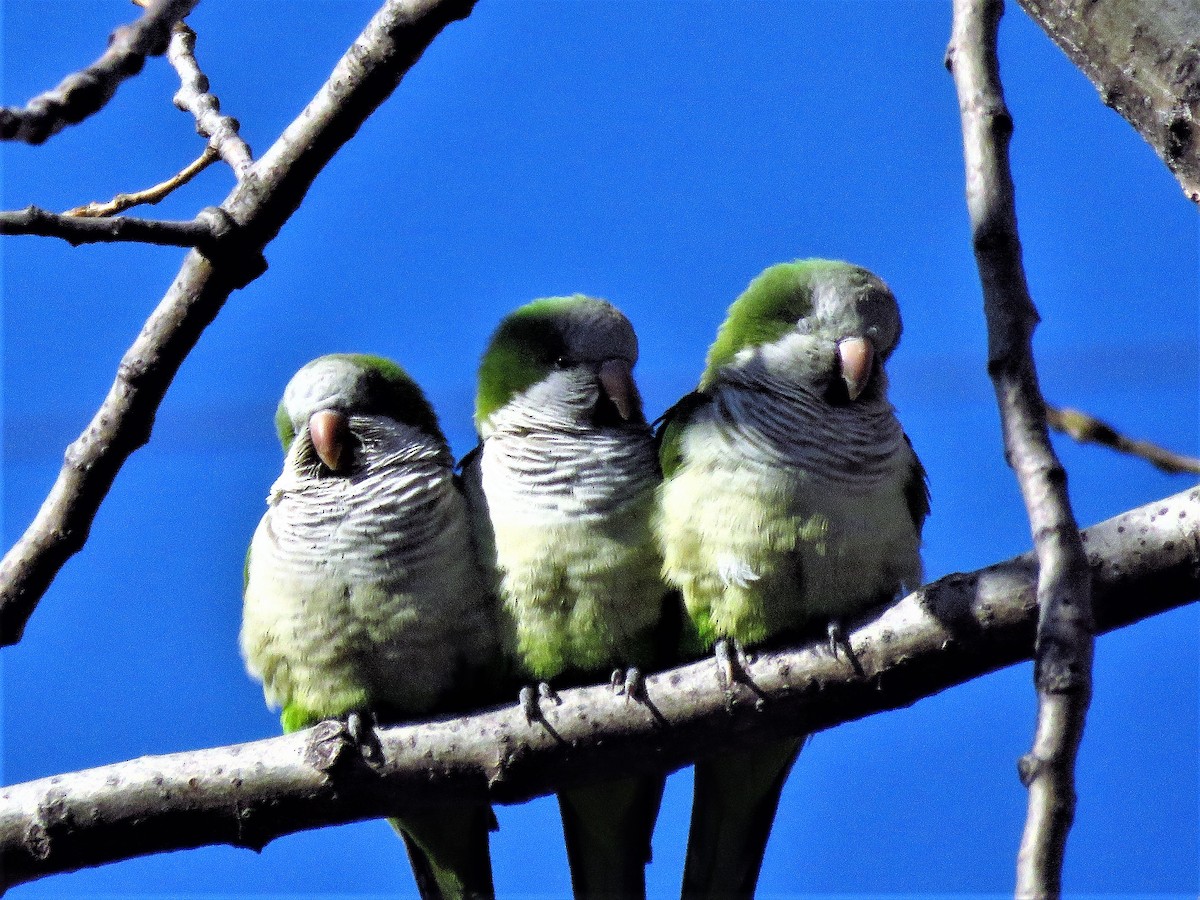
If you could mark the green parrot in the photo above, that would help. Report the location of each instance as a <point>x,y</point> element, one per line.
<point>364,598</point>
<point>792,498</point>
<point>563,489</point>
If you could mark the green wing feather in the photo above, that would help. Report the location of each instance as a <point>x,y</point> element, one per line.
<point>669,437</point>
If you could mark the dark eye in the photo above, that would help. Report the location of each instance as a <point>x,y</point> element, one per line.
<point>561,362</point>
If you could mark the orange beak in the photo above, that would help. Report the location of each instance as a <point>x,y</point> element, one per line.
<point>855,355</point>
<point>329,429</point>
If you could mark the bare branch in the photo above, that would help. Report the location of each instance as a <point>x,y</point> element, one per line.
<point>258,207</point>
<point>150,195</point>
<point>1063,665</point>
<point>1087,429</point>
<point>77,230</point>
<point>193,97</point>
<point>963,626</point>
<point>1144,59</point>
<point>84,93</point>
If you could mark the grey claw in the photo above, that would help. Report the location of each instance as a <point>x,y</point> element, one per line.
<point>724,664</point>
<point>529,705</point>
<point>635,684</point>
<point>617,682</point>
<point>361,727</point>
<point>728,654</point>
<point>531,701</point>
<point>731,668</point>
<point>837,637</point>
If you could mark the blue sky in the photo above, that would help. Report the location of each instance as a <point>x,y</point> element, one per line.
<point>658,154</point>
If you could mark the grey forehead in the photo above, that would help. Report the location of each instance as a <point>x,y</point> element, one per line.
<point>324,384</point>
<point>858,301</point>
<point>596,330</point>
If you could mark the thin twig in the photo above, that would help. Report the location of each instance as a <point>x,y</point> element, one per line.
<point>254,212</point>
<point>1063,665</point>
<point>193,97</point>
<point>150,195</point>
<point>77,230</point>
<point>965,625</point>
<point>1087,429</point>
<point>86,92</point>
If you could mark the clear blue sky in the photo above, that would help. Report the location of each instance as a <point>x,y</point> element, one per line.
<point>658,154</point>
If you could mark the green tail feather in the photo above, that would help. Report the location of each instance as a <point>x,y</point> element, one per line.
<point>448,849</point>
<point>608,828</point>
<point>735,799</point>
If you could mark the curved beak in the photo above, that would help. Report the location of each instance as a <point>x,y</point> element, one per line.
<point>616,380</point>
<point>855,355</point>
<point>329,430</point>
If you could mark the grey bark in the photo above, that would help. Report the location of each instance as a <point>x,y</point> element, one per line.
<point>1143,56</point>
<point>1063,660</point>
<point>87,91</point>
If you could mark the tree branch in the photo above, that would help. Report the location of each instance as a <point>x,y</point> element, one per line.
<point>193,97</point>
<point>258,207</point>
<point>76,230</point>
<point>1087,429</point>
<point>1144,60</point>
<point>963,626</point>
<point>151,195</point>
<point>1063,667</point>
<point>84,93</point>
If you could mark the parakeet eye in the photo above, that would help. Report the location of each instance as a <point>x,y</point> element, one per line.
<point>561,362</point>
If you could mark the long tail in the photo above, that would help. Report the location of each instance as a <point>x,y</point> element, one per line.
<point>448,849</point>
<point>608,828</point>
<point>733,807</point>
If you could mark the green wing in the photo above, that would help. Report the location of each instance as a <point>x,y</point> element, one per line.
<point>669,437</point>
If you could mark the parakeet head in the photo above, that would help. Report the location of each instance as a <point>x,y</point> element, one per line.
<point>569,356</point>
<point>817,322</point>
<point>325,393</point>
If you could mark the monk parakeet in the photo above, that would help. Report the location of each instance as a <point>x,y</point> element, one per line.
<point>792,498</point>
<point>562,488</point>
<point>364,598</point>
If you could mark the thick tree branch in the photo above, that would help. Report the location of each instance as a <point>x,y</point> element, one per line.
<point>1087,429</point>
<point>75,230</point>
<point>84,93</point>
<point>1144,59</point>
<point>151,195</point>
<point>963,626</point>
<point>1063,668</point>
<point>258,207</point>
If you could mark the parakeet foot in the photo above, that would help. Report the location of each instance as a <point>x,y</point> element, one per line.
<point>360,724</point>
<point>630,682</point>
<point>838,638</point>
<point>731,666</point>
<point>531,703</point>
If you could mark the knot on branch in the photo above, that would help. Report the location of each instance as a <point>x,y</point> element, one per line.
<point>80,92</point>
<point>1058,670</point>
<point>1029,767</point>
<point>240,260</point>
<point>227,245</point>
<point>1179,134</point>
<point>332,747</point>
<point>52,814</point>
